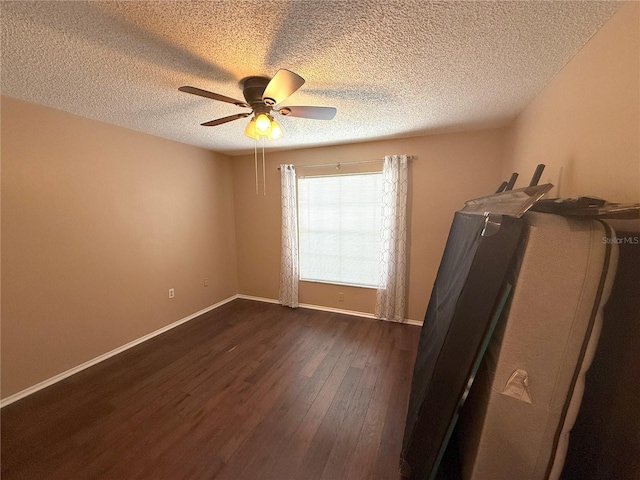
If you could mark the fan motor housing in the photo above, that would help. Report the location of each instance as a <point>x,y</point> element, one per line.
<point>252,89</point>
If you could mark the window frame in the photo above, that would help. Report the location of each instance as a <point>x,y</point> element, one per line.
<point>377,173</point>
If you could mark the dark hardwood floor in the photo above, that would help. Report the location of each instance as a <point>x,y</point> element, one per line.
<point>248,391</point>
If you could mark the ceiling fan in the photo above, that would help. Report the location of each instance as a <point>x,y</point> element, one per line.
<point>263,95</point>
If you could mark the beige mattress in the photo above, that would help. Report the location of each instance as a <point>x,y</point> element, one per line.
<point>524,401</point>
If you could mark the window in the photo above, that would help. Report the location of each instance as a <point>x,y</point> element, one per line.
<point>340,219</point>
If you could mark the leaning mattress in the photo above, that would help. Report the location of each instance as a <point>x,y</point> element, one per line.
<point>526,395</point>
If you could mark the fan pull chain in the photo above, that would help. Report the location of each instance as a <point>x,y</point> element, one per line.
<point>255,156</point>
<point>264,172</point>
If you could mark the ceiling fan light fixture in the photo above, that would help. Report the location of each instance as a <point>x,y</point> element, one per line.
<point>263,125</point>
<point>276,131</point>
<point>250,129</point>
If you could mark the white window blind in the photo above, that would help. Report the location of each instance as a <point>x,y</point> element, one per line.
<point>340,220</point>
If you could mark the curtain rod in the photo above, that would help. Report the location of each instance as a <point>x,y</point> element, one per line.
<point>337,164</point>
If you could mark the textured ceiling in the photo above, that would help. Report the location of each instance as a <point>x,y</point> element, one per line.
<point>391,68</point>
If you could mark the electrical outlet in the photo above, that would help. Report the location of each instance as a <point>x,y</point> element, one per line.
<point>341,297</point>
<point>171,293</point>
<point>206,282</point>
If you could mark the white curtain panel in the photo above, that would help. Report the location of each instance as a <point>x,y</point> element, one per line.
<point>289,262</point>
<point>390,299</point>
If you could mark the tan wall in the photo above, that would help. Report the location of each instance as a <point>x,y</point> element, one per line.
<point>450,169</point>
<point>98,222</point>
<point>585,125</point>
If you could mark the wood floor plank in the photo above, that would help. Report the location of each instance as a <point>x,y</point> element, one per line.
<point>387,462</point>
<point>349,433</point>
<point>301,439</point>
<point>364,457</point>
<point>249,391</point>
<point>268,390</point>
<point>317,455</point>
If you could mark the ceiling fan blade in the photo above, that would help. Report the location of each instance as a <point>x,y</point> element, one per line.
<point>222,120</point>
<point>213,96</point>
<point>283,84</point>
<point>317,113</point>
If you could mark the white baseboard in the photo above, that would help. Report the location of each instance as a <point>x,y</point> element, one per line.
<point>328,309</point>
<point>61,376</point>
<point>257,299</point>
<point>417,323</point>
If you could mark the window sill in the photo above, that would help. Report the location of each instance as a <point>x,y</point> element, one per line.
<point>326,282</point>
